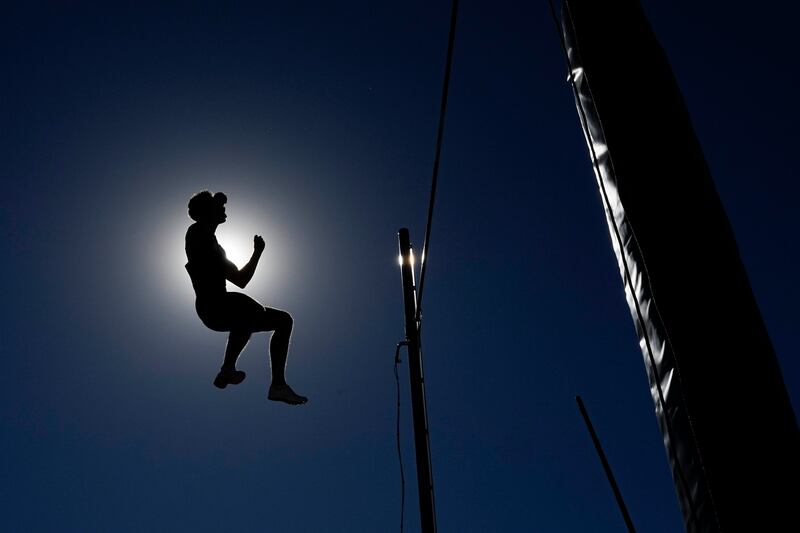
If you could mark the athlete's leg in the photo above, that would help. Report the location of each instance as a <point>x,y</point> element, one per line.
<point>228,375</point>
<point>247,314</point>
<point>232,313</point>
<point>237,340</point>
<point>244,313</point>
<point>281,323</point>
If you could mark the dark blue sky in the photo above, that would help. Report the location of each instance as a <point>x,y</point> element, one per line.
<point>318,121</point>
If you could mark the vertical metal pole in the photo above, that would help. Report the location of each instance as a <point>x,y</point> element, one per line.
<point>427,511</point>
<point>606,466</point>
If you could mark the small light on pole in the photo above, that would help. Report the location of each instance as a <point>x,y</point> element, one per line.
<point>410,258</point>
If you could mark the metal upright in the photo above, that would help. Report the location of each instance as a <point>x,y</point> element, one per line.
<point>606,467</point>
<point>427,511</point>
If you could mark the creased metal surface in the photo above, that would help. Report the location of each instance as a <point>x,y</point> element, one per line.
<point>729,431</point>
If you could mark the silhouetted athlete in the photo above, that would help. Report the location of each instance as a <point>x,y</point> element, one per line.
<point>235,312</point>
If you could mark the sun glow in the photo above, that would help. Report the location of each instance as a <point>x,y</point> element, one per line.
<point>237,246</point>
<point>169,223</point>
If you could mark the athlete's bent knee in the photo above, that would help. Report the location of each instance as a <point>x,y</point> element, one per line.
<point>286,320</point>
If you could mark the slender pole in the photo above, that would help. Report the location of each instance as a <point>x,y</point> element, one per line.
<point>606,466</point>
<point>427,512</point>
<point>426,244</point>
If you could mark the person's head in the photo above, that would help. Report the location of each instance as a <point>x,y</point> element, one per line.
<point>208,207</point>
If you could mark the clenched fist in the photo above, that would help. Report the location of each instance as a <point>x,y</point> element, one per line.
<point>258,244</point>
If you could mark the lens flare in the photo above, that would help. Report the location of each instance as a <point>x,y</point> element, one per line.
<point>410,259</point>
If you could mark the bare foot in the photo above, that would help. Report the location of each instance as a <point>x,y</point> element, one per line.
<point>284,393</point>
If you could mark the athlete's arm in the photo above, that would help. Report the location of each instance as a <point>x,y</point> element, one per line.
<point>242,276</point>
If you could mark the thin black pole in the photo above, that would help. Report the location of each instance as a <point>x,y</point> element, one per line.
<point>427,511</point>
<point>606,466</point>
<point>451,40</point>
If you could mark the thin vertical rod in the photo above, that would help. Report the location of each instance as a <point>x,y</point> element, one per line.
<point>439,136</point>
<point>606,466</point>
<point>419,412</point>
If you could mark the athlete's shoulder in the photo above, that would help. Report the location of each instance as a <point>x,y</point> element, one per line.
<point>198,232</point>
<point>197,236</point>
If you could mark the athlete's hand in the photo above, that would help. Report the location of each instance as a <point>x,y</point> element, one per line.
<point>258,244</point>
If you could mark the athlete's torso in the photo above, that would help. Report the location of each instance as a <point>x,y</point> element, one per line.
<point>207,261</point>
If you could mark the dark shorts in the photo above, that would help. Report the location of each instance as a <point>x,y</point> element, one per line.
<point>234,311</point>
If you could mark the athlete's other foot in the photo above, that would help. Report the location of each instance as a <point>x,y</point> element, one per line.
<point>284,393</point>
<point>228,377</point>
